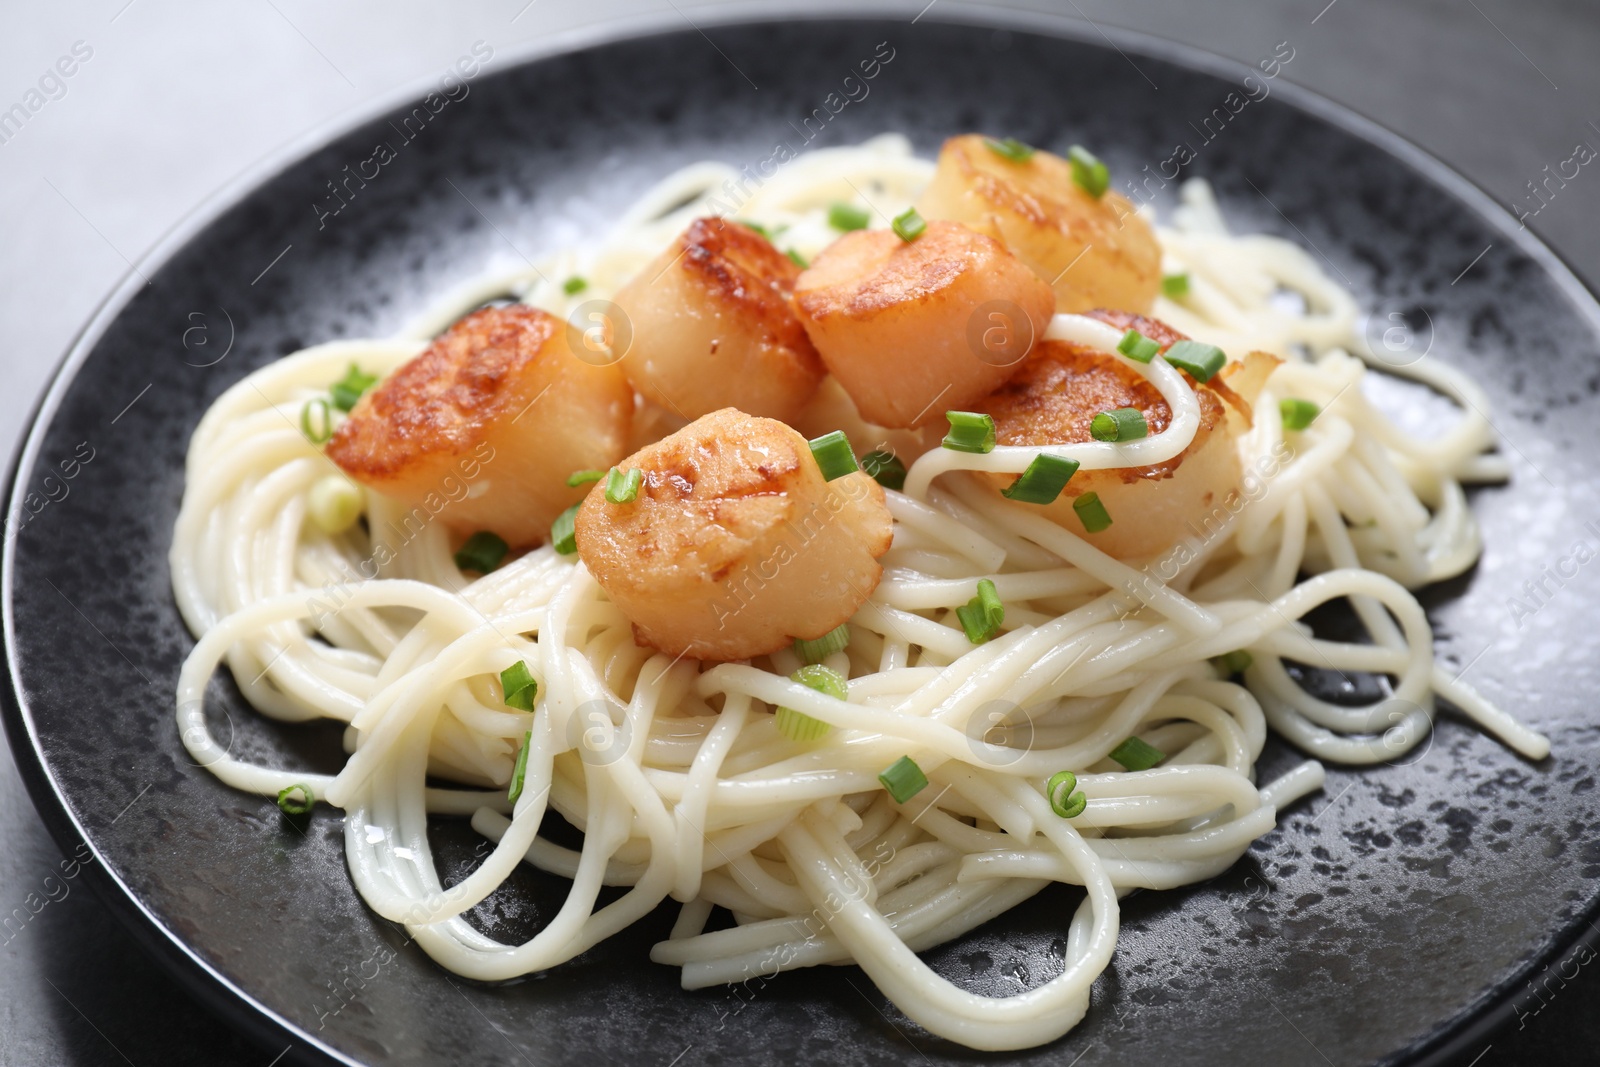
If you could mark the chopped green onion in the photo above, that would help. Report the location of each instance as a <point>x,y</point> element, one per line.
<point>1073,807</point>
<point>564,531</point>
<point>798,726</point>
<point>1175,286</point>
<point>520,772</point>
<point>818,649</point>
<point>1137,347</point>
<point>1088,173</point>
<point>1201,360</point>
<point>756,226</point>
<point>1009,148</point>
<point>482,552</point>
<point>823,679</point>
<point>834,455</point>
<point>1136,755</point>
<point>1120,424</point>
<point>886,469</point>
<point>1236,662</point>
<point>517,683</point>
<point>799,260</point>
<point>577,478</point>
<point>348,389</point>
<point>1065,798</point>
<point>1043,481</point>
<point>622,487</point>
<point>1297,414</point>
<point>317,430</point>
<point>847,217</point>
<point>334,503</point>
<point>970,431</point>
<point>981,616</point>
<point>1091,512</point>
<point>289,805</point>
<point>908,225</point>
<point>574,285</point>
<point>903,779</point>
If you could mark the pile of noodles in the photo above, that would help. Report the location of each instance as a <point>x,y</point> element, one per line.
<point>675,771</point>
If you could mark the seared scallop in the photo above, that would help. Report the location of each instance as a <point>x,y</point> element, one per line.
<point>1055,396</point>
<point>735,544</point>
<point>498,401</point>
<point>914,328</point>
<point>713,325</point>
<point>1094,251</point>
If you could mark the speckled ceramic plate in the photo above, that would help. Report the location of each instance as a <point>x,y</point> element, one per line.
<point>1386,919</point>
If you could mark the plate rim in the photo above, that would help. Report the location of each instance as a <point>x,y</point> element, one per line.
<point>237,1007</point>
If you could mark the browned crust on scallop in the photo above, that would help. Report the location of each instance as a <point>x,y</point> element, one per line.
<point>721,498</point>
<point>881,272</point>
<point>1018,187</point>
<point>1166,336</point>
<point>709,475</point>
<point>742,271</point>
<point>1060,388</point>
<point>443,401</point>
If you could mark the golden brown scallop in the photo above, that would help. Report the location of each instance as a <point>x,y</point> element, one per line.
<point>1094,251</point>
<point>1056,395</point>
<point>735,544</point>
<point>499,394</point>
<point>903,324</point>
<point>713,325</point>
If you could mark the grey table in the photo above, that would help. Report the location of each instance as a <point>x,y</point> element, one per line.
<point>167,101</point>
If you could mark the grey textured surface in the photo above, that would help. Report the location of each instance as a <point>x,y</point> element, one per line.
<point>169,105</point>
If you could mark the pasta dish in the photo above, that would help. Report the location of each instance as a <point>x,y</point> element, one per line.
<point>847,569</point>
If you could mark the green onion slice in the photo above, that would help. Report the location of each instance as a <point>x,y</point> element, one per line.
<point>847,217</point>
<point>1236,662</point>
<point>482,552</point>
<point>574,285</point>
<point>797,725</point>
<point>1137,347</point>
<point>982,616</point>
<point>1201,360</point>
<point>317,429</point>
<point>577,478</point>
<point>818,649</point>
<point>347,390</point>
<point>1120,424</point>
<point>564,531</point>
<point>520,772</point>
<point>1065,798</point>
<point>517,682</point>
<point>1088,173</point>
<point>289,804</point>
<point>823,679</point>
<point>1043,481</point>
<point>622,487</point>
<point>908,225</point>
<point>970,431</point>
<point>1298,414</point>
<point>834,455</point>
<point>1091,512</point>
<point>886,469</point>
<point>903,779</point>
<point>800,261</point>
<point>1136,755</point>
<point>1009,148</point>
<point>1175,286</point>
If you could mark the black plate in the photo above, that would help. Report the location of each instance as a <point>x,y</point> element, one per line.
<point>1381,917</point>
